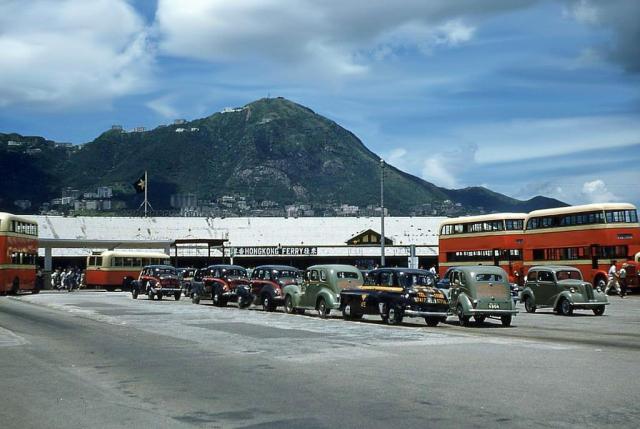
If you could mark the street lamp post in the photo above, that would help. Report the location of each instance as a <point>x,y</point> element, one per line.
<point>381,212</point>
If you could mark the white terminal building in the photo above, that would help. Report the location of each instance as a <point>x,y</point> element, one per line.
<point>248,241</point>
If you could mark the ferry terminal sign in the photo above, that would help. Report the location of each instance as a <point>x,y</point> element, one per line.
<point>275,251</point>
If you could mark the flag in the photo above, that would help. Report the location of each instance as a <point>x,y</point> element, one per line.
<point>140,184</point>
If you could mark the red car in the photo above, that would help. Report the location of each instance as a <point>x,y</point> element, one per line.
<point>157,281</point>
<point>267,282</point>
<point>222,284</point>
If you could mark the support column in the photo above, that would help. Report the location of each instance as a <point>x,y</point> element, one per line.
<point>48,265</point>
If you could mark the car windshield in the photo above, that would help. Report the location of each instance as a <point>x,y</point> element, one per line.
<point>234,272</point>
<point>414,279</point>
<point>286,274</point>
<point>568,275</point>
<point>158,271</point>
<point>347,275</point>
<point>488,277</point>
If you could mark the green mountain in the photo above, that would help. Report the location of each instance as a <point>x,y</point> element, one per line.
<point>271,149</point>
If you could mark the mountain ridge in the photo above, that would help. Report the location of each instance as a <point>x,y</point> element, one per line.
<point>271,149</point>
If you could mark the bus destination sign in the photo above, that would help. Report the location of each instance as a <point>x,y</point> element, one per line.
<point>276,251</point>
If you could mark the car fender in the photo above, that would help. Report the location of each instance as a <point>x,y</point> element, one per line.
<point>268,289</point>
<point>293,290</point>
<point>528,292</point>
<point>465,302</point>
<point>328,296</point>
<point>560,296</point>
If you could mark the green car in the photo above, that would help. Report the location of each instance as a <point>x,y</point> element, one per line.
<point>481,291</point>
<point>320,289</point>
<point>563,289</point>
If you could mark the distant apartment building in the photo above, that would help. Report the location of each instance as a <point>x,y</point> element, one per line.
<point>179,121</point>
<point>186,200</point>
<point>139,130</point>
<point>13,143</point>
<point>104,192</point>
<point>117,127</point>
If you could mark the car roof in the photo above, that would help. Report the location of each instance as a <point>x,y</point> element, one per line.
<point>553,267</point>
<point>480,269</point>
<point>276,267</point>
<point>403,270</point>
<point>227,267</point>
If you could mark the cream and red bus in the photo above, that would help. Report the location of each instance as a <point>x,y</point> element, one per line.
<point>494,239</point>
<point>114,269</point>
<point>18,254</point>
<point>588,237</point>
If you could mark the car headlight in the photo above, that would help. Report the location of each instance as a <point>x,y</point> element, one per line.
<point>405,296</point>
<point>599,289</point>
<point>572,290</point>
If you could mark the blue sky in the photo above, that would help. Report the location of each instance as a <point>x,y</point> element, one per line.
<point>525,97</point>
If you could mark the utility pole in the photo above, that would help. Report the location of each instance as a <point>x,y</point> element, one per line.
<point>382,263</point>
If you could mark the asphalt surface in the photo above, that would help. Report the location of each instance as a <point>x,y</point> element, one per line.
<point>91,359</point>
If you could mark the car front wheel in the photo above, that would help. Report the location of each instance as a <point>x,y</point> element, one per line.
<point>432,321</point>
<point>267,303</point>
<point>195,298</point>
<point>565,307</point>
<point>134,293</point>
<point>529,305</point>
<point>323,311</point>
<point>394,315</point>
<point>599,311</point>
<point>288,305</point>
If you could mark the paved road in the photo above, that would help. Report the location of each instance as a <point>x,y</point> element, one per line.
<point>104,360</point>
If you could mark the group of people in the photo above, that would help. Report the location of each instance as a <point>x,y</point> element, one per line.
<point>67,279</point>
<point>617,279</point>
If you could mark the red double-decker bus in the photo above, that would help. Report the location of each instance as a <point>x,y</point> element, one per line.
<point>588,237</point>
<point>18,254</point>
<point>114,269</point>
<point>494,239</point>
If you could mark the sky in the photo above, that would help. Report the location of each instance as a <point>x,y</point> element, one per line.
<point>525,97</point>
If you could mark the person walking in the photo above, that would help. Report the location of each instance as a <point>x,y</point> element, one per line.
<point>622,279</point>
<point>613,279</point>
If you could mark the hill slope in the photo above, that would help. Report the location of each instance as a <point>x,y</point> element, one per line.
<point>271,149</point>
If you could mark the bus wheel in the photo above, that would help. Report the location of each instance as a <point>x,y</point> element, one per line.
<point>15,287</point>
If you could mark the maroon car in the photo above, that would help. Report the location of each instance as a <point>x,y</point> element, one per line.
<point>157,281</point>
<point>267,282</point>
<point>222,284</point>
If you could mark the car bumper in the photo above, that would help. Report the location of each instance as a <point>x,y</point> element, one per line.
<point>591,304</point>
<point>420,313</point>
<point>488,312</point>
<point>166,290</point>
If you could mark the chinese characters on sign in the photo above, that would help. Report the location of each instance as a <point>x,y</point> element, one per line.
<point>275,251</point>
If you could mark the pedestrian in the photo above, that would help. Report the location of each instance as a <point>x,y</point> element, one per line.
<point>433,269</point>
<point>613,279</point>
<point>622,279</point>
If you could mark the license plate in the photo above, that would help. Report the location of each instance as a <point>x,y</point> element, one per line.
<point>494,306</point>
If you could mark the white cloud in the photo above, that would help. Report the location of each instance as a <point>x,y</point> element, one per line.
<point>321,37</point>
<point>447,168</point>
<point>163,106</point>
<point>71,52</point>
<point>523,139</point>
<point>596,192</point>
<point>396,156</point>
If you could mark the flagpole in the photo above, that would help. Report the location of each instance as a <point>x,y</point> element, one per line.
<point>146,187</point>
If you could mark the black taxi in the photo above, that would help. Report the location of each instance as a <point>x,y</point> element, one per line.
<point>395,293</point>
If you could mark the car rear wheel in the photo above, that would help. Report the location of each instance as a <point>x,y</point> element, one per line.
<point>529,305</point>
<point>151,295</point>
<point>195,298</point>
<point>462,319</point>
<point>244,302</point>
<point>267,303</point>
<point>288,305</point>
<point>177,295</point>
<point>134,293</point>
<point>322,309</point>
<point>218,300</point>
<point>598,311</point>
<point>565,307</point>
<point>348,312</point>
<point>506,320</point>
<point>480,319</point>
<point>160,297</point>
<point>432,321</point>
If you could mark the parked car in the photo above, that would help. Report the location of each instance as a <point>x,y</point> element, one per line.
<point>157,281</point>
<point>395,293</point>
<point>222,284</point>
<point>268,282</point>
<point>320,289</point>
<point>186,277</point>
<point>563,289</point>
<point>481,291</point>
<point>444,283</point>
